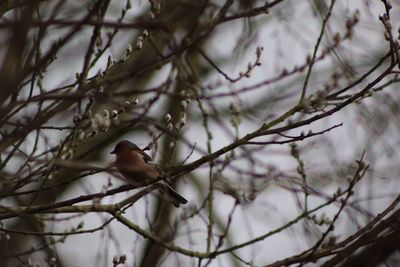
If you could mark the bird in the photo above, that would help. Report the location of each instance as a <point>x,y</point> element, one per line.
<point>140,170</point>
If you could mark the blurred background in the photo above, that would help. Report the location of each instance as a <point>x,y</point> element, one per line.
<point>277,120</point>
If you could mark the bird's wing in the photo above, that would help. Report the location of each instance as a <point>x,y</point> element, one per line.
<point>150,161</point>
<point>146,157</point>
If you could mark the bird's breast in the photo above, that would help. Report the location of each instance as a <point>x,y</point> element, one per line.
<point>135,169</point>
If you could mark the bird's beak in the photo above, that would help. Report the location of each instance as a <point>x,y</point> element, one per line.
<point>113,152</point>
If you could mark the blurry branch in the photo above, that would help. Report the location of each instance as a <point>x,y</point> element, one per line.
<point>83,166</point>
<point>96,81</point>
<point>149,24</point>
<point>101,12</point>
<point>287,73</point>
<point>295,153</point>
<point>247,74</point>
<point>262,10</point>
<point>177,40</point>
<point>9,212</point>
<point>247,243</point>
<point>374,254</point>
<point>15,80</point>
<point>292,139</point>
<point>114,210</point>
<point>359,174</point>
<point>267,128</point>
<point>34,249</point>
<point>8,5</point>
<point>342,250</point>
<point>336,94</point>
<point>72,231</point>
<point>312,60</point>
<point>375,231</point>
<point>365,236</point>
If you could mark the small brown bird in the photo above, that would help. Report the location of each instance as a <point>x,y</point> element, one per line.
<point>139,169</point>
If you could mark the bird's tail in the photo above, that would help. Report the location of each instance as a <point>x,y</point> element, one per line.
<point>172,195</point>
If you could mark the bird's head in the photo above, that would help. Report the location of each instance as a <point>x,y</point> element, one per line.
<point>124,146</point>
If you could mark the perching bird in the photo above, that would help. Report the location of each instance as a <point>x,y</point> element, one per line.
<point>139,169</point>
